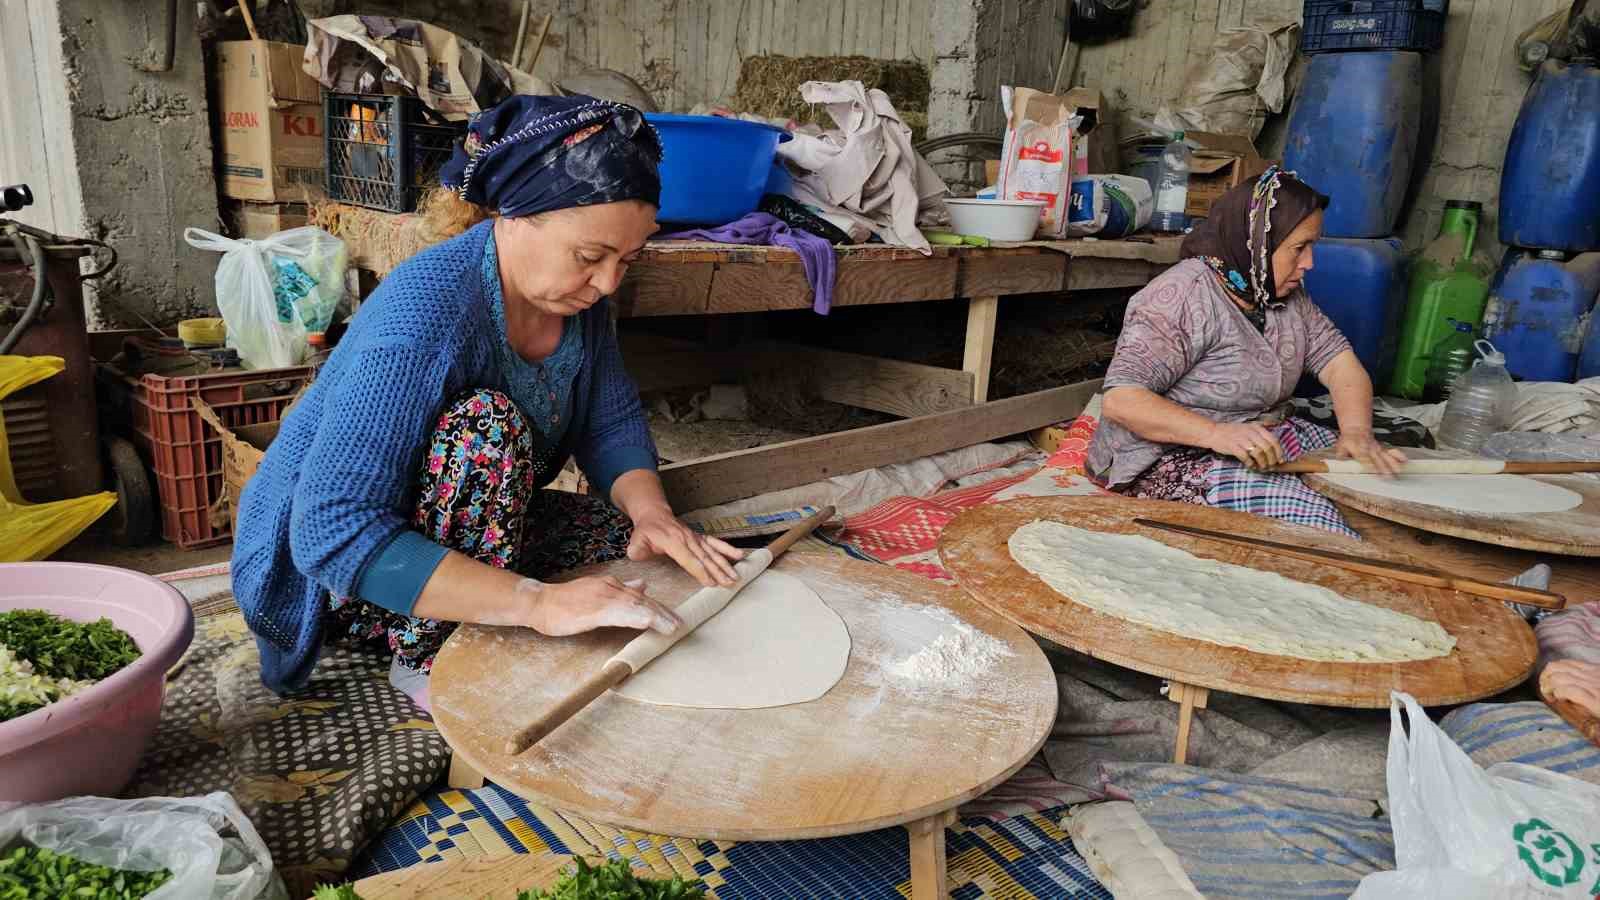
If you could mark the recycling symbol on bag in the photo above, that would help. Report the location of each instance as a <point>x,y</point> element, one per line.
<point>1556,859</point>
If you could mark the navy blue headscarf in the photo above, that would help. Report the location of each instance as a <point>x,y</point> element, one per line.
<point>529,155</point>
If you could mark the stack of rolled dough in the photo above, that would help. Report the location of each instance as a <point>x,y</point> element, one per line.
<point>1145,581</point>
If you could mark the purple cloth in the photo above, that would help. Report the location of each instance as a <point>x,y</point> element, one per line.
<point>762,229</point>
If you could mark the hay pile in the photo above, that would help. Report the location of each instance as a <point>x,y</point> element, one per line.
<point>770,86</point>
<point>376,241</point>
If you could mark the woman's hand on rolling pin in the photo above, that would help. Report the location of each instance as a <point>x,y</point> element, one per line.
<point>1247,442</point>
<point>661,533</point>
<point>585,604</point>
<point>1362,447</point>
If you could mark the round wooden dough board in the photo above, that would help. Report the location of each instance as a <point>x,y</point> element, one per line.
<point>876,750</point>
<point>1495,649</point>
<point>1575,532</point>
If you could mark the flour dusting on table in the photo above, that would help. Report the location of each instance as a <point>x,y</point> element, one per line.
<point>960,653</point>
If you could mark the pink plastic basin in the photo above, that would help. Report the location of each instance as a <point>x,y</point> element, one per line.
<point>90,743</point>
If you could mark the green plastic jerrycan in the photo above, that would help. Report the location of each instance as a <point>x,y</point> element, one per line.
<point>1449,284</point>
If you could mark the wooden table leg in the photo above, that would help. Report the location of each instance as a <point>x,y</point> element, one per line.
<point>981,315</point>
<point>927,856</point>
<point>1189,698</point>
<point>463,777</point>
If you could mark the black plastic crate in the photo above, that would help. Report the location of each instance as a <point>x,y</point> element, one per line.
<point>384,151</point>
<point>1373,25</point>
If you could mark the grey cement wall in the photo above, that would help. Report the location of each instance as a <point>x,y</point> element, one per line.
<point>143,146</point>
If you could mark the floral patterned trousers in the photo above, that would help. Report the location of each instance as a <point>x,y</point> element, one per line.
<point>478,493</point>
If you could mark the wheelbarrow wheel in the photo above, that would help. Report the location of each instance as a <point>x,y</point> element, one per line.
<point>132,522</point>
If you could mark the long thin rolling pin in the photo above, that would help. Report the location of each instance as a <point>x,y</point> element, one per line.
<point>1397,571</point>
<point>1442,467</point>
<point>616,670</point>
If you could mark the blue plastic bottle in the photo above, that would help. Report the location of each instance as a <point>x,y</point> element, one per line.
<point>1550,186</point>
<point>1538,310</point>
<point>1353,136</point>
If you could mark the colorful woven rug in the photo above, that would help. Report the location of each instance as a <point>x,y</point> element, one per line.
<point>1022,857</point>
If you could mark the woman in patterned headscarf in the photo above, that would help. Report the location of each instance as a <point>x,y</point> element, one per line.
<point>1197,396</point>
<point>402,494</point>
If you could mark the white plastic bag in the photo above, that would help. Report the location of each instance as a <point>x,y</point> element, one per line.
<point>1462,832</point>
<point>273,291</point>
<point>208,844</point>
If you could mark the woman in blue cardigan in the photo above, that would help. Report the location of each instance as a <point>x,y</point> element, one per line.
<point>402,494</point>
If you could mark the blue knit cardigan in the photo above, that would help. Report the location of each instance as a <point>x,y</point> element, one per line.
<point>338,484</point>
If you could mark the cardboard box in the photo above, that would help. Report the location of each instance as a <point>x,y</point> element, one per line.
<point>243,448</point>
<point>270,122</point>
<point>1222,162</point>
<point>262,220</point>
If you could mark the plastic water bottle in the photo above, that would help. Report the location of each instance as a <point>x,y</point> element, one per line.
<point>1172,187</point>
<point>1447,361</point>
<point>1483,399</point>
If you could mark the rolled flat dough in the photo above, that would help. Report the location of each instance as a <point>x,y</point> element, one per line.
<point>1502,494</point>
<point>1145,581</point>
<point>774,644</point>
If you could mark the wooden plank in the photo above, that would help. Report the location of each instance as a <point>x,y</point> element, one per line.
<point>992,276</point>
<point>746,473</point>
<point>886,385</point>
<point>665,290</point>
<point>1098,274</point>
<point>740,287</point>
<point>982,313</point>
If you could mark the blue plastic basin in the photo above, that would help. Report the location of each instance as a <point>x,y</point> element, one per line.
<point>713,170</point>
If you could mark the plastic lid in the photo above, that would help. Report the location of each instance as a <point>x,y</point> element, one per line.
<point>1469,205</point>
<point>316,339</point>
<point>1490,355</point>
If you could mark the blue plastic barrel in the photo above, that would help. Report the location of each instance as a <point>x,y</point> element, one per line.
<point>1538,307</point>
<point>1360,284</point>
<point>1550,186</point>
<point>1353,136</point>
<point>713,169</point>
<point>1589,358</point>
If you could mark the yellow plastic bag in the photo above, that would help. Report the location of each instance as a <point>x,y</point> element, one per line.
<point>35,530</point>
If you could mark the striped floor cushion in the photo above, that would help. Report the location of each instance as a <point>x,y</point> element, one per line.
<point>1245,836</point>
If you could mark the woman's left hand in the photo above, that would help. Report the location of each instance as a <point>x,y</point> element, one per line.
<point>660,533</point>
<point>1365,449</point>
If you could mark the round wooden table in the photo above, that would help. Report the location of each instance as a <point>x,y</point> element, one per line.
<point>1574,532</point>
<point>879,749</point>
<point>1495,649</point>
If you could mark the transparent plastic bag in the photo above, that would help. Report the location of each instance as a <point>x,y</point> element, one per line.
<point>212,850</point>
<point>30,531</point>
<point>1465,833</point>
<point>272,292</point>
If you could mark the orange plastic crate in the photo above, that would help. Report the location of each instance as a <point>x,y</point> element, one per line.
<point>184,451</point>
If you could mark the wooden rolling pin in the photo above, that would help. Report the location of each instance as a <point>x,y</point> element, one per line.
<point>1396,571</point>
<point>706,603</point>
<point>1442,467</point>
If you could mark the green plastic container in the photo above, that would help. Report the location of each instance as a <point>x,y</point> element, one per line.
<point>1449,284</point>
